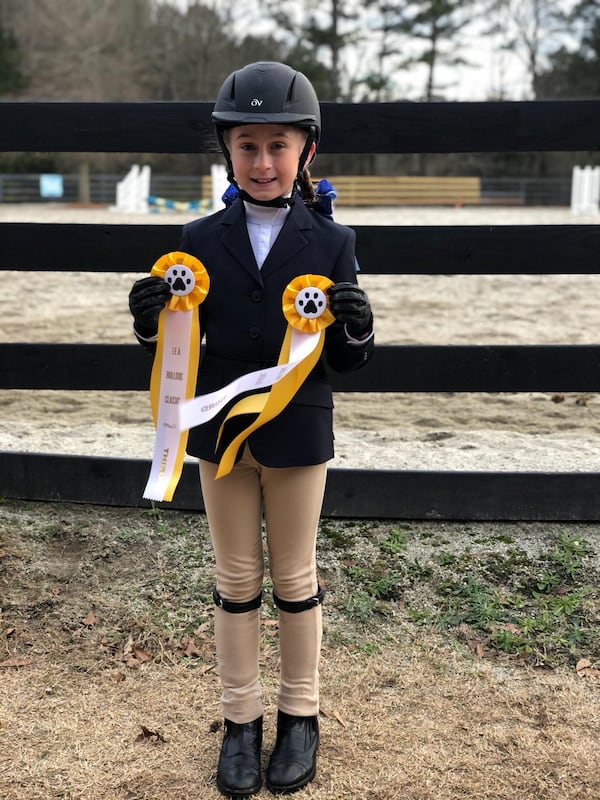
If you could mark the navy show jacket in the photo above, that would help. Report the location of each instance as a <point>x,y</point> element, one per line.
<point>244,327</point>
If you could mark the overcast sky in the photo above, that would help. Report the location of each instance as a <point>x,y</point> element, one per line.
<point>491,73</point>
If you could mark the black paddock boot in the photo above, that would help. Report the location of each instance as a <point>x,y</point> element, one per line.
<point>239,770</point>
<point>293,763</point>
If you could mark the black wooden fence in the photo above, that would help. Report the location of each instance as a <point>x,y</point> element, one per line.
<point>366,128</point>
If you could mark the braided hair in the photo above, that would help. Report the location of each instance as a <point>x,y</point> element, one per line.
<point>307,191</point>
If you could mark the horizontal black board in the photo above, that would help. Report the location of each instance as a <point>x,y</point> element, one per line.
<point>175,127</point>
<point>373,494</point>
<point>409,368</point>
<point>385,250</point>
<point>84,248</point>
<point>463,127</point>
<point>138,127</point>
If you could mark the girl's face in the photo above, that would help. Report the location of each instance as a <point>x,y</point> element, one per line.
<point>265,158</point>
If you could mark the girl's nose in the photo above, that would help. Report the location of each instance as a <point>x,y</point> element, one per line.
<point>263,158</point>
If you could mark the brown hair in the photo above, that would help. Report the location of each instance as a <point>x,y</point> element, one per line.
<point>306,188</point>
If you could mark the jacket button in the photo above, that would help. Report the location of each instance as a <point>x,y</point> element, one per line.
<point>254,333</point>
<point>256,295</point>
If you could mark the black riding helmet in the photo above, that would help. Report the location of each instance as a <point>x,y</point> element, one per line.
<point>267,92</point>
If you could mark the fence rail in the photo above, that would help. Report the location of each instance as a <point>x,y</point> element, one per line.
<point>395,127</point>
<point>173,127</point>
<point>393,368</point>
<point>382,250</point>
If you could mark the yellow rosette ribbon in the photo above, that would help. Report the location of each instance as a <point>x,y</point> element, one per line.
<point>175,367</point>
<point>305,306</point>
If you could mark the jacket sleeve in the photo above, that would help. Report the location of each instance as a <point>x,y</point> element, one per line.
<point>148,344</point>
<point>342,351</point>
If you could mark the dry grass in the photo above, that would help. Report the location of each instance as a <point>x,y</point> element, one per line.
<point>117,698</point>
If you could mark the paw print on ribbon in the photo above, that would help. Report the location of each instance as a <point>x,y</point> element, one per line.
<point>306,305</point>
<point>181,280</point>
<point>310,303</point>
<point>187,278</point>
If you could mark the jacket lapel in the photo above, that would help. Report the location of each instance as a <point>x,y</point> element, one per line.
<point>236,241</point>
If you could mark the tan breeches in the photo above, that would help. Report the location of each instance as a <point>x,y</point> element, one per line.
<point>290,500</point>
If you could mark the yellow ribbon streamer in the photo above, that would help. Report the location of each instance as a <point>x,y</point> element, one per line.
<point>175,367</point>
<point>306,308</point>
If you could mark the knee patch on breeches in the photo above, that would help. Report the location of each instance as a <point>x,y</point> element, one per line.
<point>233,607</point>
<point>294,607</point>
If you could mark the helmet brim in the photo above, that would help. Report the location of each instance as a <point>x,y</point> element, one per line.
<point>233,118</point>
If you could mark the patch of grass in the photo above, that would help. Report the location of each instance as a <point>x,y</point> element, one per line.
<point>446,559</point>
<point>436,539</point>
<point>538,607</point>
<point>419,616</point>
<point>468,600</point>
<point>395,542</point>
<point>378,580</point>
<point>568,554</point>
<point>338,535</point>
<point>360,606</point>
<point>368,648</point>
<point>538,603</point>
<point>415,571</point>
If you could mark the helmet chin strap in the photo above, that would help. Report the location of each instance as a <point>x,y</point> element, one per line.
<point>276,202</point>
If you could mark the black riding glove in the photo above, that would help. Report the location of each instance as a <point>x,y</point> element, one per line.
<point>350,306</point>
<point>147,299</point>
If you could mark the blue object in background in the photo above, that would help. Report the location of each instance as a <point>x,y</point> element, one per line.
<point>51,186</point>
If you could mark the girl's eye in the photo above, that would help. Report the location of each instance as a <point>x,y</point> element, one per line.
<point>249,147</point>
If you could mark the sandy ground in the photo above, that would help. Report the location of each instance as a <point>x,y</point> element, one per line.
<point>405,431</point>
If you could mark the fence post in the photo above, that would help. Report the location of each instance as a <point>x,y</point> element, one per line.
<point>218,174</point>
<point>585,190</point>
<point>83,183</point>
<point>595,191</point>
<point>575,189</point>
<point>143,189</point>
<point>133,191</point>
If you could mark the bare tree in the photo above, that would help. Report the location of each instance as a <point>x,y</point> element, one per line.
<point>529,29</point>
<point>319,37</point>
<point>89,50</point>
<point>416,32</point>
<point>381,18</point>
<point>186,53</point>
<point>11,76</point>
<point>436,25</point>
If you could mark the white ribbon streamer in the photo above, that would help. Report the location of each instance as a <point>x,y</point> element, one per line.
<point>169,444</point>
<point>203,408</point>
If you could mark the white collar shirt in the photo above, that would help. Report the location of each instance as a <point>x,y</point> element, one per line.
<point>264,224</point>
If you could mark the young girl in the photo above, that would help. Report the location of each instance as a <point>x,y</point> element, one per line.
<point>267,121</point>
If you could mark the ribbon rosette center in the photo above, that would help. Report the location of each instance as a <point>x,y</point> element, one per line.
<point>305,303</point>
<point>181,280</point>
<point>187,279</point>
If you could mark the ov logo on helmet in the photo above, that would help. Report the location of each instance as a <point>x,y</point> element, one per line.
<point>256,102</point>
